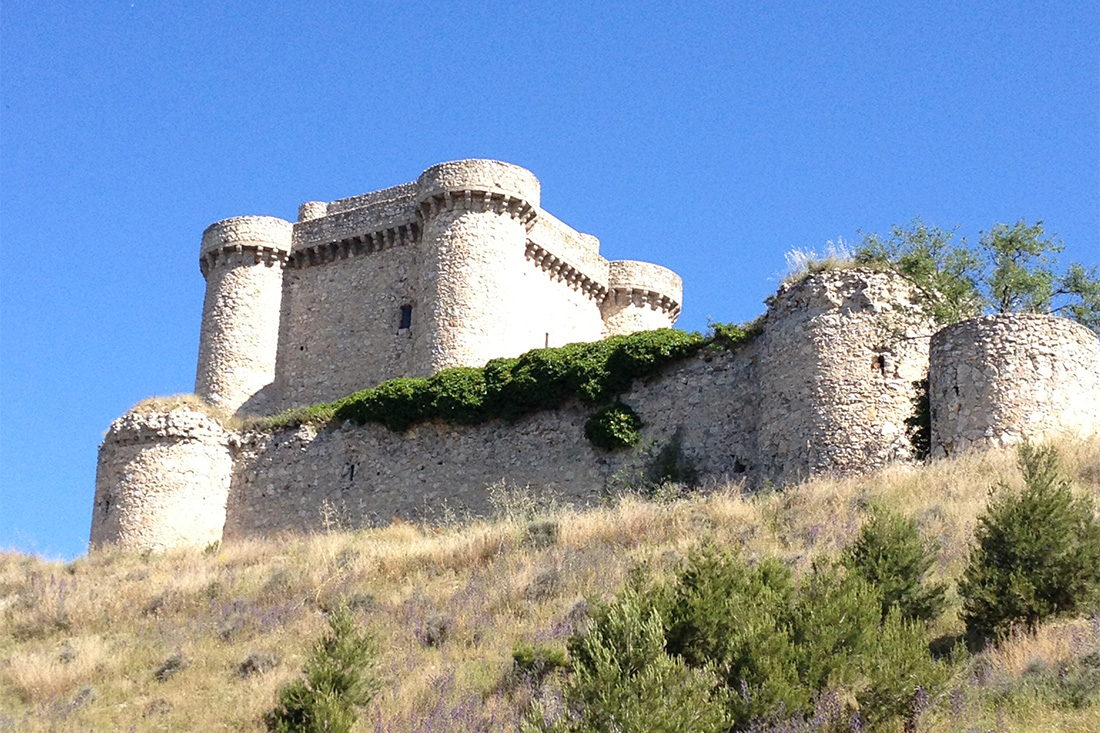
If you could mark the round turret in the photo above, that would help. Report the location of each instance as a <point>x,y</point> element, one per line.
<point>995,380</point>
<point>242,259</point>
<point>640,297</point>
<point>475,218</point>
<point>162,481</point>
<point>838,363</point>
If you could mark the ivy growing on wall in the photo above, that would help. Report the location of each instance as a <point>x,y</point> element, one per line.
<point>595,373</point>
<point>615,426</point>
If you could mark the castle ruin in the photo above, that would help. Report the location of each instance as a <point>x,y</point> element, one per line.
<point>462,266</point>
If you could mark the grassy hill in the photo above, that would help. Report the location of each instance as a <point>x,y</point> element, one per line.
<point>203,639</point>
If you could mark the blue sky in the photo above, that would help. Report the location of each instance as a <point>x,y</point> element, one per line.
<point>707,137</point>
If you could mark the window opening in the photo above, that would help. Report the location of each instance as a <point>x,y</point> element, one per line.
<point>406,317</point>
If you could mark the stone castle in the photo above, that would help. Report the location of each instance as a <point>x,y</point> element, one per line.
<point>463,266</point>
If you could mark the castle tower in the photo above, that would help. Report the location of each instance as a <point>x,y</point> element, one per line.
<point>640,297</point>
<point>475,218</point>
<point>997,380</point>
<point>242,260</point>
<point>836,366</point>
<point>162,481</point>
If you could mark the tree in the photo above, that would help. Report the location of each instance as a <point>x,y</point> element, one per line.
<point>1036,553</point>
<point>338,680</point>
<point>945,271</point>
<point>1013,269</point>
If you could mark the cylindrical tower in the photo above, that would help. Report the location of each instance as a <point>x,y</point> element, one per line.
<point>242,259</point>
<point>162,481</point>
<point>640,297</point>
<point>838,366</point>
<point>476,215</point>
<point>996,380</point>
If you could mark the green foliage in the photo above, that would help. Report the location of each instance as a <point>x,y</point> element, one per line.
<point>918,426</point>
<point>944,271</point>
<point>509,388</point>
<point>615,426</point>
<point>1036,553</point>
<point>1012,269</point>
<point>624,680</point>
<point>538,661</point>
<point>337,682</point>
<point>889,554</point>
<point>750,644</point>
<point>731,335</point>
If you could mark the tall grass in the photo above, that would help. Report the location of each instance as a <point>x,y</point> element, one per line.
<point>80,642</point>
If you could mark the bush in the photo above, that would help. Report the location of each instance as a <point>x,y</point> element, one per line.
<point>1036,553</point>
<point>890,555</point>
<point>770,646</point>
<point>337,680</point>
<point>623,679</point>
<point>615,426</point>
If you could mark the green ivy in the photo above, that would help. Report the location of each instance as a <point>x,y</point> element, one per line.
<point>595,373</point>
<point>615,426</point>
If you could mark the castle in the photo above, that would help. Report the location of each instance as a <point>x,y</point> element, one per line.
<point>463,266</point>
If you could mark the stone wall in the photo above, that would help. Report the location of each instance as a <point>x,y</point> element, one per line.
<point>840,352</point>
<point>341,325</point>
<point>996,380</point>
<point>162,481</point>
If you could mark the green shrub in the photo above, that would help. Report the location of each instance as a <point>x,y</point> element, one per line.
<point>770,646</point>
<point>338,680</point>
<point>615,426</point>
<point>458,395</point>
<point>890,555</point>
<point>538,661</point>
<point>397,404</point>
<point>623,679</point>
<point>1036,553</point>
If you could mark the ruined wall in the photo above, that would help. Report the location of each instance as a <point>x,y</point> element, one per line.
<point>290,480</point>
<point>996,380</point>
<point>839,355</point>
<point>162,481</point>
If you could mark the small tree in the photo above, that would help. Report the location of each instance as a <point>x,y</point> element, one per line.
<point>338,680</point>
<point>890,555</point>
<point>1011,270</point>
<point>943,269</point>
<point>1036,553</point>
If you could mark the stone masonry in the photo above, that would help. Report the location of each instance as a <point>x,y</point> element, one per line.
<point>462,266</point>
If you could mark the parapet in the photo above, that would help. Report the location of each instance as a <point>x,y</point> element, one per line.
<point>997,380</point>
<point>162,480</point>
<point>480,175</point>
<point>267,238</point>
<point>656,287</point>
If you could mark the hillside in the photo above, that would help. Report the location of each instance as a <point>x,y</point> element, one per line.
<point>124,640</point>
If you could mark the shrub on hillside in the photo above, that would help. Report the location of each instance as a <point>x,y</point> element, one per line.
<point>338,680</point>
<point>771,646</point>
<point>890,555</point>
<point>1036,553</point>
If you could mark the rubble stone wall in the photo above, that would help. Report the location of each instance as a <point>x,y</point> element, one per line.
<point>162,481</point>
<point>997,380</point>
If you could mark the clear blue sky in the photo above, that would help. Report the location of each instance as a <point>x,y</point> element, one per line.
<point>708,137</point>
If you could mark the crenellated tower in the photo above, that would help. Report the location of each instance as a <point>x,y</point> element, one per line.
<point>242,260</point>
<point>475,218</point>
<point>640,297</point>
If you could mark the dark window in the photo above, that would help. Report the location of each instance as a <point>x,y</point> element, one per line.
<point>406,317</point>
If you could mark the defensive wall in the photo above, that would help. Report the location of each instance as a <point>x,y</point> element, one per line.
<point>828,385</point>
<point>462,266</point>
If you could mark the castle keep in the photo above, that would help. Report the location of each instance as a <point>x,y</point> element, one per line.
<point>462,266</point>
<point>459,267</point>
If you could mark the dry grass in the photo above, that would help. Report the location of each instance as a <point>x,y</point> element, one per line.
<point>80,642</point>
<point>168,403</point>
